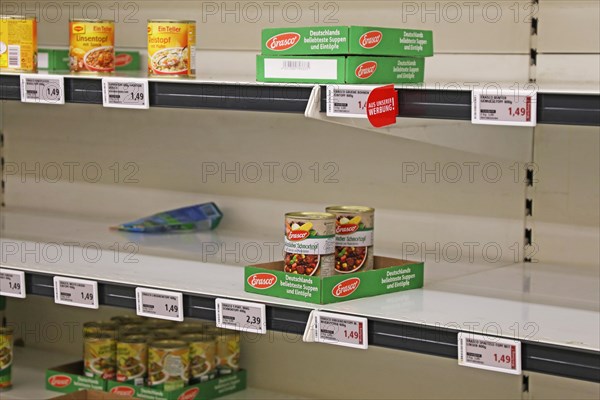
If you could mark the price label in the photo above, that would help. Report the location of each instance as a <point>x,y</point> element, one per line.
<point>349,101</point>
<point>12,283</point>
<point>161,304</point>
<point>494,107</point>
<point>125,93</point>
<point>75,292</point>
<point>491,353</point>
<point>241,316</point>
<point>341,330</point>
<point>45,89</point>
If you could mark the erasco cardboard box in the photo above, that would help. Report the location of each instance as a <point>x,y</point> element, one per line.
<point>388,276</point>
<point>89,395</point>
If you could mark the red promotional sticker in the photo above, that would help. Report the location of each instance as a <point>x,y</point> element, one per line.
<point>382,106</point>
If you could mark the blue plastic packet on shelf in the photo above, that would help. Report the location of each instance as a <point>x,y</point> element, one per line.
<point>200,217</point>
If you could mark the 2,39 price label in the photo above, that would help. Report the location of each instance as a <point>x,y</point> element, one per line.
<point>12,283</point>
<point>46,89</point>
<point>493,107</point>
<point>341,330</point>
<point>125,93</point>
<point>161,304</point>
<point>75,292</point>
<point>349,101</point>
<point>491,353</point>
<point>241,316</point>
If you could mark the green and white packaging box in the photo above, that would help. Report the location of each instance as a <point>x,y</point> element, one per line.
<point>388,276</point>
<point>58,60</point>
<point>69,378</point>
<point>347,40</point>
<point>339,69</point>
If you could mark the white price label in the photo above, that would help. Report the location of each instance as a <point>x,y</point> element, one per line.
<point>348,101</point>
<point>341,330</point>
<point>491,353</point>
<point>161,304</point>
<point>494,107</point>
<point>46,89</point>
<point>241,316</point>
<point>125,93</point>
<point>12,283</point>
<point>75,292</point>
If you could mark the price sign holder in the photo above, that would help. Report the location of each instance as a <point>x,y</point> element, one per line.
<point>43,89</point>
<point>12,283</point>
<point>491,353</point>
<point>76,292</point>
<point>161,304</point>
<point>503,107</point>
<point>348,101</point>
<point>341,330</point>
<point>125,93</point>
<point>242,316</point>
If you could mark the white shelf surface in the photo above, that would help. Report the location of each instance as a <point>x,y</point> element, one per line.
<point>29,369</point>
<point>524,301</point>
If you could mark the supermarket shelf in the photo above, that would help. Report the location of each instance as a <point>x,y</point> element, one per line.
<point>529,302</point>
<point>29,378</point>
<point>554,106</point>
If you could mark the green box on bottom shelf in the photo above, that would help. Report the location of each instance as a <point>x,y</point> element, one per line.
<point>208,390</point>
<point>58,60</point>
<point>69,378</point>
<point>388,276</point>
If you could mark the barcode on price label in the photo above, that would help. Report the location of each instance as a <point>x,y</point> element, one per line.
<point>491,353</point>
<point>125,93</point>
<point>12,283</point>
<point>508,107</point>
<point>341,330</point>
<point>161,304</point>
<point>75,292</point>
<point>241,316</point>
<point>349,101</point>
<point>44,89</point>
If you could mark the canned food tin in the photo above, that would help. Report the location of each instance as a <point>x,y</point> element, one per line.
<point>6,357</point>
<point>203,357</point>
<point>132,329</point>
<point>18,43</point>
<point>132,359</point>
<point>96,327</point>
<point>92,46</point>
<point>163,334</point>
<point>309,243</point>
<point>99,352</point>
<point>168,364</point>
<point>171,48</point>
<point>228,351</point>
<point>353,238</point>
<point>190,327</point>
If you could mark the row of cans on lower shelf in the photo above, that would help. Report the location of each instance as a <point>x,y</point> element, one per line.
<point>157,353</point>
<point>6,357</point>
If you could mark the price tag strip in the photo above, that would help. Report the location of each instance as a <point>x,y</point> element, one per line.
<point>242,316</point>
<point>75,292</point>
<point>348,101</point>
<point>493,107</point>
<point>12,283</point>
<point>161,304</point>
<point>341,330</point>
<point>44,89</point>
<point>125,93</point>
<point>491,353</point>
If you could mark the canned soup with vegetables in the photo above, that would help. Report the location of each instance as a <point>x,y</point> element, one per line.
<point>171,48</point>
<point>353,238</point>
<point>18,43</point>
<point>309,243</point>
<point>92,46</point>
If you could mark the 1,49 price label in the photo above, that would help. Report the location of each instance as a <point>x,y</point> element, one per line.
<point>341,330</point>
<point>75,292</point>
<point>493,107</point>
<point>46,89</point>
<point>491,353</point>
<point>125,93</point>
<point>241,316</point>
<point>12,283</point>
<point>348,101</point>
<point>160,304</point>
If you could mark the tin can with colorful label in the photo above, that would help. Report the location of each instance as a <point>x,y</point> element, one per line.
<point>203,356</point>
<point>228,351</point>
<point>168,364</point>
<point>99,353</point>
<point>309,243</point>
<point>132,359</point>
<point>186,328</point>
<point>92,46</point>
<point>6,357</point>
<point>133,329</point>
<point>353,238</point>
<point>171,48</point>
<point>18,43</point>
<point>164,334</point>
<point>96,327</point>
